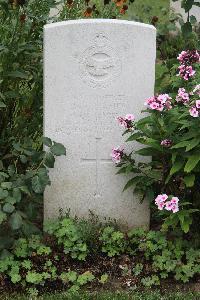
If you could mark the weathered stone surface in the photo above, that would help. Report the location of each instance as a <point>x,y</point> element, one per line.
<point>95,70</point>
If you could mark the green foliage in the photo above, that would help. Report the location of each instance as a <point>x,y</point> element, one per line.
<point>21,190</point>
<point>67,234</point>
<point>150,257</point>
<point>174,169</point>
<point>137,270</point>
<point>104,278</point>
<point>150,281</point>
<point>113,242</point>
<point>168,256</point>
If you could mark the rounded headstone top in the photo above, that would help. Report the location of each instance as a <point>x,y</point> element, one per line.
<point>99,21</point>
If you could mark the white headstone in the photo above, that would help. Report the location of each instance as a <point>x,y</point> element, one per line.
<point>195,11</point>
<point>95,70</point>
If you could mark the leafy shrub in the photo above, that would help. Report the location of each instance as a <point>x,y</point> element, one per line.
<point>22,183</point>
<point>169,133</point>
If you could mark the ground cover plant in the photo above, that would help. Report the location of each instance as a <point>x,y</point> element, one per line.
<point>68,257</point>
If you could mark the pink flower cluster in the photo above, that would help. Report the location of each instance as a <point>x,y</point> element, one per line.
<point>183,96</point>
<point>159,102</point>
<point>166,143</point>
<point>189,57</point>
<point>195,110</point>
<point>127,121</point>
<point>170,205</point>
<point>186,72</point>
<point>117,154</point>
<point>186,59</point>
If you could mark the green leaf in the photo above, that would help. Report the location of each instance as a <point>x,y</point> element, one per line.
<point>121,170</point>
<point>49,160</point>
<point>2,105</point>
<point>186,29</point>
<point>191,163</point>
<point>146,151</point>
<point>150,142</point>
<point>8,208</point>
<point>18,74</point>
<point>189,180</point>
<point>176,167</point>
<point>192,143</point>
<point>37,185</point>
<point>187,4</point>
<point>15,221</point>
<point>193,20</point>
<point>47,141</point>
<point>3,193</point>
<point>174,155</point>
<point>58,149</point>
<point>185,225</point>
<point>146,120</point>
<point>3,217</point>
<point>133,137</point>
<point>180,145</point>
<point>6,185</point>
<point>10,200</point>
<point>25,189</point>
<point>17,194</point>
<point>131,182</point>
<point>23,159</point>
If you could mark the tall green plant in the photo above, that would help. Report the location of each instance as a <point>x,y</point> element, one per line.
<point>171,137</point>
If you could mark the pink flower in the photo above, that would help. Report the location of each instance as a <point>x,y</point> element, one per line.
<point>166,143</point>
<point>155,105</point>
<point>127,121</point>
<point>160,201</point>
<point>130,117</point>
<point>182,96</point>
<point>182,56</point>
<point>175,208</point>
<point>159,102</point>
<point>117,154</point>
<point>122,122</point>
<point>161,198</point>
<point>170,205</point>
<point>149,101</point>
<point>174,200</point>
<point>197,103</point>
<point>193,112</point>
<point>186,72</point>
<point>189,57</point>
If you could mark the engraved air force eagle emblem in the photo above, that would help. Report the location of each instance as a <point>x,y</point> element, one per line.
<point>99,63</point>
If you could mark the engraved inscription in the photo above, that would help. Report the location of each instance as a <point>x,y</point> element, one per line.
<point>100,113</point>
<point>99,63</point>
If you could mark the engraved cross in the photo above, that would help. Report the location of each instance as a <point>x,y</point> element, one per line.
<point>98,161</point>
